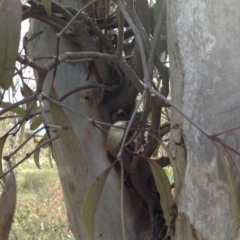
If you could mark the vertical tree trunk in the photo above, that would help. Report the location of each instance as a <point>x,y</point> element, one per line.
<point>203,42</point>
<point>78,167</point>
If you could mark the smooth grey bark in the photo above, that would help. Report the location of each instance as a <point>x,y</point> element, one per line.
<point>203,42</point>
<point>78,172</point>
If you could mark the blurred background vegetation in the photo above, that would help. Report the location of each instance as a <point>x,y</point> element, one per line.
<point>40,212</point>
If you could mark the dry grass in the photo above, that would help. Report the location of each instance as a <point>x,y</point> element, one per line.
<point>40,211</point>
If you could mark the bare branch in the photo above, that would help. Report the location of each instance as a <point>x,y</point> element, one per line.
<point>130,123</point>
<point>147,46</point>
<point>107,57</point>
<point>23,59</point>
<point>100,86</point>
<point>7,157</point>
<point>25,100</point>
<point>29,154</point>
<point>159,95</point>
<point>158,29</point>
<point>59,35</point>
<point>120,34</point>
<point>139,40</point>
<point>59,8</point>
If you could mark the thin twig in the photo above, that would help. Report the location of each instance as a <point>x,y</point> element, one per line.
<point>107,57</point>
<point>59,35</point>
<point>130,123</point>
<point>159,95</point>
<point>99,127</point>
<point>10,116</point>
<point>23,59</point>
<point>25,100</point>
<point>29,154</point>
<point>78,89</point>
<point>157,32</point>
<point>220,141</point>
<point>226,131</point>
<point>7,157</point>
<point>59,8</point>
<point>147,46</point>
<point>139,40</point>
<point>120,33</point>
<point>44,117</point>
<point>64,106</point>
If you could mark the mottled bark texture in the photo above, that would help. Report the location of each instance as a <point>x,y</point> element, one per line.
<point>203,43</point>
<point>78,169</point>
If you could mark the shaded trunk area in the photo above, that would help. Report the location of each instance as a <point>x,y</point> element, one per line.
<point>82,157</point>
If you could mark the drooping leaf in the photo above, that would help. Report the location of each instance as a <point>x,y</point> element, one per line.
<point>67,136</point>
<point>10,26</point>
<point>36,122</point>
<point>156,151</point>
<point>22,133</point>
<point>48,6</point>
<point>7,206</point>
<point>32,37</point>
<point>36,158</point>
<point>27,92</point>
<point>173,164</point>
<point>232,189</point>
<point>50,157</point>
<point>164,188</point>
<point>91,200</point>
<point>17,110</point>
<point>2,142</point>
<point>115,135</point>
<point>150,117</point>
<point>37,153</point>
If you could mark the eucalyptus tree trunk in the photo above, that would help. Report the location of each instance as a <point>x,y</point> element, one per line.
<point>83,157</point>
<point>203,43</point>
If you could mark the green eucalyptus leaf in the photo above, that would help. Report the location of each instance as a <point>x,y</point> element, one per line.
<point>2,142</point>
<point>10,26</point>
<point>37,153</point>
<point>17,110</point>
<point>27,92</point>
<point>32,37</point>
<point>155,153</point>
<point>50,157</point>
<point>232,189</point>
<point>164,188</point>
<point>91,200</point>
<point>36,122</point>
<point>173,164</point>
<point>22,132</point>
<point>48,6</point>
<point>68,135</point>
<point>115,135</point>
<point>7,206</point>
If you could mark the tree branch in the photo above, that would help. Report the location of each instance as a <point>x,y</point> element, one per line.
<point>106,57</point>
<point>59,35</point>
<point>23,59</point>
<point>25,100</point>
<point>139,40</point>
<point>157,32</point>
<point>100,86</point>
<point>29,154</point>
<point>120,34</point>
<point>147,46</point>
